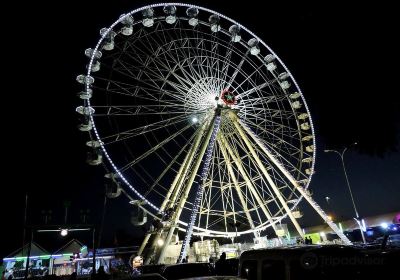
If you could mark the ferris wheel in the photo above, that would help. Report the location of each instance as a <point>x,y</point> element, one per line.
<point>200,120</point>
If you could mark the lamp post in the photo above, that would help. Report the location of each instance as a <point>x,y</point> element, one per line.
<point>341,155</point>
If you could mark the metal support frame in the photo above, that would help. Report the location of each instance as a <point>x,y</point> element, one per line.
<point>278,194</point>
<point>189,184</point>
<point>235,182</point>
<point>301,190</point>
<point>248,182</point>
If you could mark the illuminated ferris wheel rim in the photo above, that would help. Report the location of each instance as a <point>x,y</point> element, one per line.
<point>121,176</point>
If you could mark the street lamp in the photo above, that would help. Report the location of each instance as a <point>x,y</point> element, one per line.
<point>348,185</point>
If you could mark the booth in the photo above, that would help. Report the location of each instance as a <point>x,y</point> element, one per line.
<point>39,262</point>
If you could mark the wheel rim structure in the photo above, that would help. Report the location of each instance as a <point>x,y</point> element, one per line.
<point>155,80</point>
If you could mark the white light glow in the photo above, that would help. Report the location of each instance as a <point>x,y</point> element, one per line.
<point>160,242</point>
<point>64,232</point>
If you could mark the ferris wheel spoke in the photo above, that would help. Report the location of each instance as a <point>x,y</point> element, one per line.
<point>269,151</point>
<point>134,110</point>
<point>289,165</point>
<point>235,182</point>
<point>254,89</point>
<point>225,65</point>
<point>266,174</point>
<point>237,70</point>
<point>193,52</point>
<point>124,135</point>
<point>126,90</point>
<point>169,167</point>
<point>195,75</point>
<point>278,127</point>
<point>155,148</point>
<point>249,184</point>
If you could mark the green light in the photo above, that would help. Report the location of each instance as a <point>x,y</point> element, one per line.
<point>45,257</point>
<point>67,255</point>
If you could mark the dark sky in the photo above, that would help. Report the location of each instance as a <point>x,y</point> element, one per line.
<point>344,59</point>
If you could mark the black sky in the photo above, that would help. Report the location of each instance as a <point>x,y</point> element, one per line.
<point>344,58</point>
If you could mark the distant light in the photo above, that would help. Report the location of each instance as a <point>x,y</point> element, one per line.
<point>394,228</point>
<point>64,232</point>
<point>195,120</point>
<point>160,242</point>
<point>322,234</point>
<point>384,225</point>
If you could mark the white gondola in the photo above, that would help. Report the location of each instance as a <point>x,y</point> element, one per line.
<point>192,14</point>
<point>235,33</point>
<point>83,79</point>
<point>214,23</point>
<point>95,66</point>
<point>283,76</point>
<point>295,95</point>
<point>305,126</point>
<point>309,171</point>
<point>148,19</point>
<point>297,214</point>
<point>84,110</point>
<point>90,52</point>
<point>306,160</point>
<point>86,94</point>
<point>93,144</point>
<point>303,116</point>
<point>94,157</point>
<point>271,66</point>
<point>253,44</point>
<point>310,148</point>
<point>307,138</point>
<point>85,127</point>
<point>108,43</point>
<point>296,105</point>
<point>139,217</point>
<point>113,187</point>
<point>269,58</point>
<point>285,85</point>
<point>170,11</point>
<point>127,21</point>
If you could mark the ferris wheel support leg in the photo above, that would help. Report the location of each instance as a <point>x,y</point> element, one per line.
<point>248,182</point>
<point>300,189</point>
<point>179,178</point>
<point>236,183</point>
<point>144,243</point>
<point>265,172</point>
<point>189,184</point>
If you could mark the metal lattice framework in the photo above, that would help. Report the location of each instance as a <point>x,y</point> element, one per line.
<point>157,79</point>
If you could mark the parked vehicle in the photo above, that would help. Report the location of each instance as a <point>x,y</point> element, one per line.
<point>317,262</point>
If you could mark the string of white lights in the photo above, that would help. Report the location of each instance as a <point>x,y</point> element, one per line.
<point>200,189</point>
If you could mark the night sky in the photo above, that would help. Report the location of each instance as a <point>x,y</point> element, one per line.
<point>344,59</point>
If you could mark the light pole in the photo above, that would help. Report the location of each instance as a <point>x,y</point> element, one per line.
<point>358,219</point>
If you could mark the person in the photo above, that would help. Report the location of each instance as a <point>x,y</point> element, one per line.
<point>101,274</point>
<point>221,265</point>
<point>72,276</point>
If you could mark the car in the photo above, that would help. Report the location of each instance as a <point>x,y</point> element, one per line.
<point>317,262</point>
